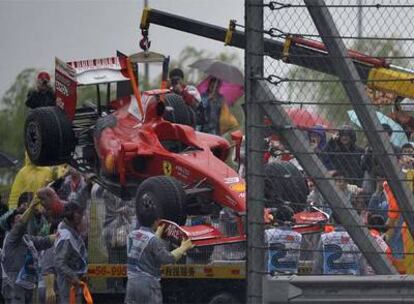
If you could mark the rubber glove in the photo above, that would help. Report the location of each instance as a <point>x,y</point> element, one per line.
<point>50,292</point>
<point>160,230</point>
<point>180,251</point>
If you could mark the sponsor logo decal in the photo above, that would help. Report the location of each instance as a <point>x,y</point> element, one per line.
<point>232,180</point>
<point>60,103</point>
<point>173,232</point>
<point>62,88</point>
<point>238,187</point>
<point>184,172</point>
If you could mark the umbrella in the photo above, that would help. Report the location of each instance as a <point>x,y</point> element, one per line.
<point>398,136</point>
<point>220,70</point>
<point>303,118</point>
<point>404,119</point>
<point>7,161</point>
<point>231,91</point>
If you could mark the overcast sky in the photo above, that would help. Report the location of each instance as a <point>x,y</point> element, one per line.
<point>33,32</point>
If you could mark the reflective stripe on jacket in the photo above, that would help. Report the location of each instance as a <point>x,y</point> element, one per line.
<point>340,254</point>
<point>283,250</point>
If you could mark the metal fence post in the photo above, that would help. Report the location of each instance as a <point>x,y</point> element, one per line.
<point>254,140</point>
<point>353,86</point>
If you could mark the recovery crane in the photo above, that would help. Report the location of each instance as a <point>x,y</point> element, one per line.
<point>377,73</point>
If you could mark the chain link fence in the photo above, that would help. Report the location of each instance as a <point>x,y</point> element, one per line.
<point>333,104</point>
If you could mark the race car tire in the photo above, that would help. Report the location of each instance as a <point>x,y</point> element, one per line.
<point>223,298</point>
<point>285,183</point>
<point>48,136</point>
<point>177,111</point>
<point>301,185</point>
<point>167,194</point>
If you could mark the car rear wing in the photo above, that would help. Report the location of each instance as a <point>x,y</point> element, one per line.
<point>70,75</point>
<point>96,71</point>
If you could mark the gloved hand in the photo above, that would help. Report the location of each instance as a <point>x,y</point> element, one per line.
<point>50,201</point>
<point>160,230</point>
<point>186,245</point>
<point>50,296</point>
<point>50,291</point>
<point>180,251</point>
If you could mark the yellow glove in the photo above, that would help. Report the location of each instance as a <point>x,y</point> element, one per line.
<point>160,230</point>
<point>50,291</point>
<point>50,296</point>
<point>180,251</point>
<point>187,244</point>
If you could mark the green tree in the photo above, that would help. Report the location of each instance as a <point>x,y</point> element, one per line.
<point>13,113</point>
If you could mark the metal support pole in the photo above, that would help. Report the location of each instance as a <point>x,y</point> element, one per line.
<point>359,18</point>
<point>296,141</point>
<point>254,139</point>
<point>354,88</point>
<point>146,65</point>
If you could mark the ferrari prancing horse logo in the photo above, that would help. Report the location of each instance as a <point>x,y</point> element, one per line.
<point>167,168</point>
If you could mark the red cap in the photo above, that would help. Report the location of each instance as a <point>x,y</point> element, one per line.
<point>43,76</point>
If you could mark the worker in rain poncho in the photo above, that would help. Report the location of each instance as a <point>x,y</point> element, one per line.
<point>30,178</point>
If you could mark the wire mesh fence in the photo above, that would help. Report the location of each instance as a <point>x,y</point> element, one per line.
<point>317,124</point>
<point>329,152</point>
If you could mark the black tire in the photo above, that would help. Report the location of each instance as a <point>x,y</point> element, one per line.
<point>284,182</point>
<point>301,189</point>
<point>48,136</point>
<point>224,298</point>
<point>178,111</point>
<point>167,194</point>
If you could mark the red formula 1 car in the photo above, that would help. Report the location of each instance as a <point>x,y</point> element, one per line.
<point>133,150</point>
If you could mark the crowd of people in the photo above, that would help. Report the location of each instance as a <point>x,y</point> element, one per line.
<point>44,250</point>
<point>44,232</point>
<point>212,112</point>
<point>359,177</point>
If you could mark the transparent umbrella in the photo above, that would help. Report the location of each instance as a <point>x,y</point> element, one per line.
<point>398,136</point>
